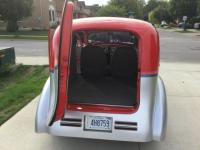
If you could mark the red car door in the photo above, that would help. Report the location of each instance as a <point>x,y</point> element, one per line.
<point>59,63</point>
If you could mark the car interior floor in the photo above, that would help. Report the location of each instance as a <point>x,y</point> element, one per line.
<point>107,91</point>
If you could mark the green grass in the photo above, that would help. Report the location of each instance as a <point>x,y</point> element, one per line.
<point>35,35</point>
<point>19,86</point>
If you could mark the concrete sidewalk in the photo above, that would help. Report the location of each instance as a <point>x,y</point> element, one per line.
<point>182,84</point>
<point>39,60</point>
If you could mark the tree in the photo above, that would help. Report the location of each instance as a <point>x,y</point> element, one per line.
<point>180,8</point>
<point>14,10</point>
<point>151,5</point>
<point>159,14</point>
<point>198,8</point>
<point>111,10</point>
<point>135,6</point>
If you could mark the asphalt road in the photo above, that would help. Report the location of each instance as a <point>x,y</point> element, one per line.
<point>180,70</point>
<point>175,47</point>
<point>179,47</point>
<point>26,48</point>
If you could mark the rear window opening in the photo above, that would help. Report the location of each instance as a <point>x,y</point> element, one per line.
<point>103,68</point>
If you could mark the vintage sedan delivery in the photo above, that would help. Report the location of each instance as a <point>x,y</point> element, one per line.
<point>104,81</point>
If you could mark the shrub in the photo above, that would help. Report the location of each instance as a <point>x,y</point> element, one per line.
<point>194,20</point>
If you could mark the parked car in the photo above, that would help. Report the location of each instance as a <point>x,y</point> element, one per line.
<point>188,25</point>
<point>104,81</point>
<point>197,26</point>
<point>163,23</point>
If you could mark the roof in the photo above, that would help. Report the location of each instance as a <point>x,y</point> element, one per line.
<point>114,23</point>
<point>148,43</point>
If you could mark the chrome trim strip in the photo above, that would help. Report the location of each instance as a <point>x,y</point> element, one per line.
<point>149,75</point>
<point>72,124</point>
<point>125,123</point>
<point>125,128</point>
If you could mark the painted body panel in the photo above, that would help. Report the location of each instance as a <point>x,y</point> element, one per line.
<point>146,33</point>
<point>150,117</point>
<point>63,59</point>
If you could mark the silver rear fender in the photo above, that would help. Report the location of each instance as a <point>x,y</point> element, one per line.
<point>160,112</point>
<point>42,109</point>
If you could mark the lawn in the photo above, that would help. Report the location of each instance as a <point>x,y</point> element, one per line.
<point>19,86</point>
<point>35,35</point>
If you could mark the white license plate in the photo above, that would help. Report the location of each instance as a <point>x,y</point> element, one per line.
<point>98,123</point>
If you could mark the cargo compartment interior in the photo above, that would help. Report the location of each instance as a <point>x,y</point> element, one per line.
<point>104,69</point>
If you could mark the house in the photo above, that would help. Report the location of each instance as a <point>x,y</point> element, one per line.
<point>44,12</point>
<point>48,12</point>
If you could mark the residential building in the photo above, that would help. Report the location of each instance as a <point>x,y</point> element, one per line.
<point>48,12</point>
<point>43,13</point>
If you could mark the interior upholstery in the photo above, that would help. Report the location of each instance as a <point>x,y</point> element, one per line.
<point>124,63</point>
<point>73,64</point>
<point>93,61</point>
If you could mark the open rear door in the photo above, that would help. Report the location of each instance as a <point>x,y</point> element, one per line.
<point>60,66</point>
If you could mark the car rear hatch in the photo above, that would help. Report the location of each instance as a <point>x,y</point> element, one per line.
<point>105,74</point>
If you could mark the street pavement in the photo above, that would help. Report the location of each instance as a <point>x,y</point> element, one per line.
<point>180,70</point>
<point>175,47</point>
<point>26,48</point>
<point>29,52</point>
<point>179,47</point>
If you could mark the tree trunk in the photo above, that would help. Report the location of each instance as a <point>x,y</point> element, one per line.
<point>12,26</point>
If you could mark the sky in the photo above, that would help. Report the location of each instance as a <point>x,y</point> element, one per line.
<point>100,2</point>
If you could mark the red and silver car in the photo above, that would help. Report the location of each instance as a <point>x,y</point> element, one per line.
<point>104,81</point>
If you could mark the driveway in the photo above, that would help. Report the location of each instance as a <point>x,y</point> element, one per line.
<point>180,70</point>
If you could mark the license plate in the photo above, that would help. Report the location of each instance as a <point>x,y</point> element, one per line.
<point>98,123</point>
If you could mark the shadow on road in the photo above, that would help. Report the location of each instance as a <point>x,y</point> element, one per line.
<point>63,143</point>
